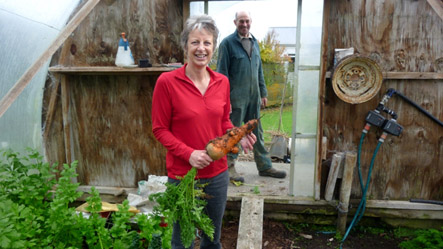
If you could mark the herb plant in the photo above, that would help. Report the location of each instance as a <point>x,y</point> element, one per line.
<point>36,211</point>
<point>184,203</point>
<point>425,239</point>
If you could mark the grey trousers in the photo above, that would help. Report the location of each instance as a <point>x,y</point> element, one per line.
<point>217,189</point>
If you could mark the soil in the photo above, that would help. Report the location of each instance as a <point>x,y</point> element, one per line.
<point>284,235</point>
<point>287,235</point>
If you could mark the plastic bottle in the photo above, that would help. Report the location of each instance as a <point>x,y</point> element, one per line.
<point>124,56</point>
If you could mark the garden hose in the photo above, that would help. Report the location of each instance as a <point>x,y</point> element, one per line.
<point>362,205</point>
<point>392,91</point>
<point>389,127</point>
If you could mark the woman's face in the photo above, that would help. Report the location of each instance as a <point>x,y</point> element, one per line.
<point>200,48</point>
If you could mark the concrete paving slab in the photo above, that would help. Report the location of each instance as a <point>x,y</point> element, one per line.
<point>259,185</point>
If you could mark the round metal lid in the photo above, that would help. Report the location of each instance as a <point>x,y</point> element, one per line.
<point>356,79</point>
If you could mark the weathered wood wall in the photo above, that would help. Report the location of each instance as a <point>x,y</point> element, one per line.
<point>152,27</point>
<point>109,115</point>
<point>401,36</point>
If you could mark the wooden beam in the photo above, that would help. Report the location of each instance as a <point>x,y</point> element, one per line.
<point>437,5</point>
<point>413,75</point>
<point>407,75</point>
<point>186,10</point>
<point>345,190</point>
<point>24,80</point>
<point>333,174</point>
<point>65,97</point>
<point>107,70</point>
<point>324,148</point>
<point>250,230</point>
<point>51,110</point>
<point>321,150</point>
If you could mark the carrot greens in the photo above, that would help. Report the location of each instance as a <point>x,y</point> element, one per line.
<point>184,203</point>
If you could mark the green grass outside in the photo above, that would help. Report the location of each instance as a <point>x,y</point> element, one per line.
<point>270,119</point>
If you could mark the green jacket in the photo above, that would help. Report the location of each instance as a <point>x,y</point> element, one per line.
<point>245,74</point>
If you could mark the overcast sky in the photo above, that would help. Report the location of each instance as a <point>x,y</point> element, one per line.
<point>265,14</point>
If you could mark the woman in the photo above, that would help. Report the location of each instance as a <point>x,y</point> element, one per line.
<point>191,106</point>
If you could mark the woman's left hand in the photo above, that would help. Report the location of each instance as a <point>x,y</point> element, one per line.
<point>248,141</point>
<point>200,159</point>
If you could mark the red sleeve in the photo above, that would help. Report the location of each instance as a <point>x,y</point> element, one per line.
<point>161,120</point>
<point>226,122</point>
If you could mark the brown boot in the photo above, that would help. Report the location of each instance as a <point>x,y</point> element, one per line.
<point>233,175</point>
<point>273,173</point>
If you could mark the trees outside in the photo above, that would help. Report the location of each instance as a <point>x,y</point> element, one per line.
<point>276,67</point>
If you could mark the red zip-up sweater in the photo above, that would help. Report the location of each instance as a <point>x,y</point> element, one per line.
<point>184,120</point>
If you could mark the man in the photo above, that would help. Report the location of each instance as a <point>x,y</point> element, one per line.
<point>239,59</point>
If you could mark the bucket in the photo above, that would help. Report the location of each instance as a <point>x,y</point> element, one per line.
<point>279,147</point>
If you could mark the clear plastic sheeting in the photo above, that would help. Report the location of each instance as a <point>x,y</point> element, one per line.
<point>28,28</point>
<point>307,80</point>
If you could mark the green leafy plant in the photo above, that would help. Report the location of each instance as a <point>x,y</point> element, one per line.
<point>256,190</point>
<point>404,232</point>
<point>184,203</point>
<point>36,211</point>
<point>425,239</point>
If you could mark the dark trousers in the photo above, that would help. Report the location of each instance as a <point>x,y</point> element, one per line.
<point>217,189</point>
<point>242,115</point>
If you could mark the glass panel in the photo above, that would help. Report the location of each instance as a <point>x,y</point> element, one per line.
<point>310,46</point>
<point>307,102</point>
<point>304,167</point>
<point>306,106</point>
<point>196,8</point>
<point>311,30</point>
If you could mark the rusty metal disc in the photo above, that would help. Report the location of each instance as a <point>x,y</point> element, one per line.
<point>356,79</point>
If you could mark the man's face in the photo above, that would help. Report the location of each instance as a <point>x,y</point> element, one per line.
<point>243,23</point>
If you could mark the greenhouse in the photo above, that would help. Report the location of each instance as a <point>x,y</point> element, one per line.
<point>114,124</point>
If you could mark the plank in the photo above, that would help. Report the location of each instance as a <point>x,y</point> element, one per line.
<point>186,10</point>
<point>385,204</point>
<point>108,70</point>
<point>115,191</point>
<point>65,97</point>
<point>333,173</point>
<point>322,147</point>
<point>250,230</point>
<point>413,75</point>
<point>24,80</point>
<point>345,190</point>
<point>51,110</point>
<point>437,5</point>
<point>407,75</point>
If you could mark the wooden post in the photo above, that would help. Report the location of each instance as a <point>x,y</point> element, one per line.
<point>66,117</point>
<point>345,190</point>
<point>333,174</point>
<point>437,5</point>
<point>321,97</point>
<point>51,110</point>
<point>250,230</point>
<point>324,147</point>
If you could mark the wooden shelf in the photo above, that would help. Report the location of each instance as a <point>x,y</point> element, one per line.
<point>155,70</point>
<point>407,75</point>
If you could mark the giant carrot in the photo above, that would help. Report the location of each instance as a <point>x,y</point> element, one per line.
<point>220,146</point>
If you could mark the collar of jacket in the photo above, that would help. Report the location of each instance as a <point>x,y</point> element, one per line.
<point>237,36</point>
<point>181,74</point>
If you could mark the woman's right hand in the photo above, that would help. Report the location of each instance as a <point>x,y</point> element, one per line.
<point>200,159</point>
